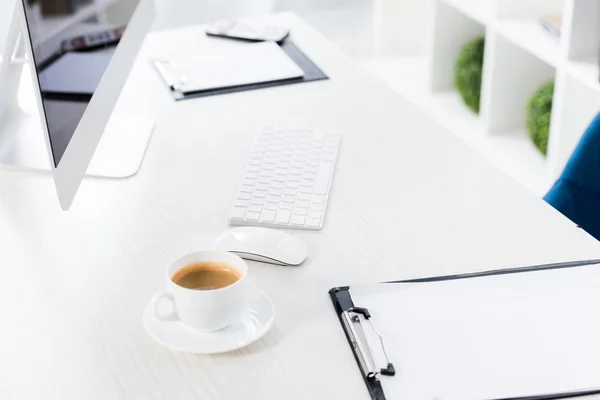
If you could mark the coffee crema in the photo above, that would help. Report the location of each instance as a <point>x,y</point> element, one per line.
<point>206,275</point>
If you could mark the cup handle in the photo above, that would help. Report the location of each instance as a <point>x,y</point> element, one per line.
<point>164,295</point>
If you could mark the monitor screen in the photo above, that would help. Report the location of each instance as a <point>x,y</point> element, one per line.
<point>73,42</point>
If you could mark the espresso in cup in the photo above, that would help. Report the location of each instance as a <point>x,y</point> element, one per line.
<point>206,276</point>
<point>207,290</point>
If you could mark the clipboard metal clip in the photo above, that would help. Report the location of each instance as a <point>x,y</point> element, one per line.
<point>360,346</point>
<point>169,72</point>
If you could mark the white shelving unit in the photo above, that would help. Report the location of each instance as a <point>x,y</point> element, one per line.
<point>519,57</point>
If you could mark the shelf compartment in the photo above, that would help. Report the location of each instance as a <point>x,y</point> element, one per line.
<point>453,30</point>
<point>513,76</point>
<point>530,36</point>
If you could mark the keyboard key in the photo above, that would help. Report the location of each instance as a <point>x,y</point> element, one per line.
<point>272,199</point>
<point>303,196</point>
<point>264,180</point>
<point>283,216</point>
<point>302,204</point>
<point>254,208</point>
<point>267,216</point>
<point>305,189</point>
<point>298,219</point>
<point>252,216</point>
<point>300,211</point>
<point>271,206</point>
<point>263,187</point>
<point>247,185</point>
<point>289,192</point>
<point>250,175</point>
<point>317,198</point>
<point>288,199</point>
<point>313,222</point>
<point>275,192</point>
<point>314,214</point>
<point>240,203</point>
<point>257,201</point>
<point>258,194</point>
<point>316,207</point>
<point>286,206</point>
<point>238,212</point>
<point>243,196</point>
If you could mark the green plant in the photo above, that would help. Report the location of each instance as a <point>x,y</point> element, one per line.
<point>539,111</point>
<point>468,71</point>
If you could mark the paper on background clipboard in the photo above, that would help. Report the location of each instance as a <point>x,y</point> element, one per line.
<point>512,335</point>
<point>231,67</point>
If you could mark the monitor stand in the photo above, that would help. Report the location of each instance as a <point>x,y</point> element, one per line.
<point>22,144</point>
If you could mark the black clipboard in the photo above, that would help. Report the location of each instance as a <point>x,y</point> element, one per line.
<point>311,73</point>
<point>346,310</point>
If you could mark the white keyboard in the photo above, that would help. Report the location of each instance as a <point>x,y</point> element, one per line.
<point>287,179</point>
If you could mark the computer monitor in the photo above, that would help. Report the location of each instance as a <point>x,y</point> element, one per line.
<point>80,54</point>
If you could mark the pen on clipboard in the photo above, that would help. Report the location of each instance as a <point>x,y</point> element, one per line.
<point>166,75</point>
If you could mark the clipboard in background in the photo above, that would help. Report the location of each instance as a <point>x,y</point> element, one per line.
<point>529,333</point>
<point>308,72</point>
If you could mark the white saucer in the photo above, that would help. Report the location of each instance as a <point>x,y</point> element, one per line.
<point>254,323</point>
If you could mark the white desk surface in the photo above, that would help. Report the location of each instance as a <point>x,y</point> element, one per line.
<point>408,200</point>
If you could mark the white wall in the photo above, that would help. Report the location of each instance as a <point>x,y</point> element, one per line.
<point>401,27</point>
<point>192,12</point>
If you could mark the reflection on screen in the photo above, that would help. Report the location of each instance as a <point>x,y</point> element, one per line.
<point>73,42</point>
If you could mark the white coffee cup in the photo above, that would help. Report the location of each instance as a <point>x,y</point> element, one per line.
<point>206,310</point>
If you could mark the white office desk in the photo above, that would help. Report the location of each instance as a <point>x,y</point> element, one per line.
<point>408,200</point>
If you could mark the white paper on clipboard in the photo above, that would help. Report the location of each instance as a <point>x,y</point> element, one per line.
<point>493,337</point>
<point>247,64</point>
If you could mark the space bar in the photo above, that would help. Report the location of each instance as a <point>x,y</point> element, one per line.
<point>321,184</point>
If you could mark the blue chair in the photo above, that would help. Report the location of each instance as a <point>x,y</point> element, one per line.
<point>576,194</point>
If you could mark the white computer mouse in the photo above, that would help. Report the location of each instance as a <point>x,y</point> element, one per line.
<point>263,244</point>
